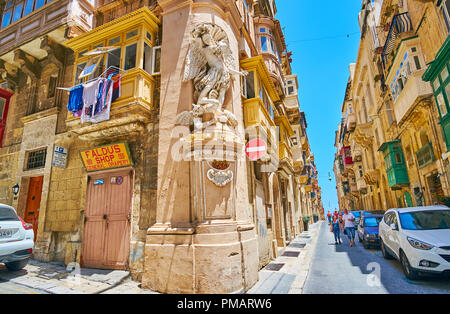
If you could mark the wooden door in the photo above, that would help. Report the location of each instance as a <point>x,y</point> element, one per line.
<point>34,203</point>
<point>106,240</point>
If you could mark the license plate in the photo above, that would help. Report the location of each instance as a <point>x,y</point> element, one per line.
<point>7,233</point>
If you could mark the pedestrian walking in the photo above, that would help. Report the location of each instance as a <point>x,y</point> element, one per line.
<point>329,217</point>
<point>336,229</point>
<point>349,225</point>
<point>336,213</point>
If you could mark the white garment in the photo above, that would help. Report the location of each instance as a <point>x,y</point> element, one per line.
<point>104,114</point>
<point>90,92</point>
<point>347,222</point>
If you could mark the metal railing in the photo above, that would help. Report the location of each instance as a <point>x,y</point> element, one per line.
<point>401,23</point>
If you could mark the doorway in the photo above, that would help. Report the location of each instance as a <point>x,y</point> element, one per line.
<point>106,237</point>
<point>34,203</point>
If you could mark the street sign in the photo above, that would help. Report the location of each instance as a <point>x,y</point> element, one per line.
<point>255,149</point>
<point>60,157</point>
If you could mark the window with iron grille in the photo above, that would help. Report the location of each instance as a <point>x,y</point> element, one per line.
<point>36,159</point>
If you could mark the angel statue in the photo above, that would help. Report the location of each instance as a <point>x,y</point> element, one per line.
<point>209,64</point>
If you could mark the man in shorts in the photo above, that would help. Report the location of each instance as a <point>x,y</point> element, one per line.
<point>349,225</point>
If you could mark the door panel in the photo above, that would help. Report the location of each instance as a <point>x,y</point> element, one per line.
<point>117,233</point>
<point>34,203</point>
<point>106,238</point>
<point>95,224</point>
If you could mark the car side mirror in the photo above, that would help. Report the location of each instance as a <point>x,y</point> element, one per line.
<point>394,227</point>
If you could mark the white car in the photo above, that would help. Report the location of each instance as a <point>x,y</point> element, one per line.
<point>16,239</point>
<point>419,237</point>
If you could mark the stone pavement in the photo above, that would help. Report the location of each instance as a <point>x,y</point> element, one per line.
<point>291,277</point>
<point>55,278</point>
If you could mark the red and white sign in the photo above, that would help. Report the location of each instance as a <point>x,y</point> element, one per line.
<point>255,149</point>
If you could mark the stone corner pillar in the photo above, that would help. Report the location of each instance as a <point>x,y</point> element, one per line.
<point>203,240</point>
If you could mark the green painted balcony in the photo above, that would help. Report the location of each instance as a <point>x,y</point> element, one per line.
<point>396,171</point>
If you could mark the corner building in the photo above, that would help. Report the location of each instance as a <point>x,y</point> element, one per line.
<point>112,194</point>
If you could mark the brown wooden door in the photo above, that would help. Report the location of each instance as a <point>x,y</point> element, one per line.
<point>106,240</point>
<point>34,203</point>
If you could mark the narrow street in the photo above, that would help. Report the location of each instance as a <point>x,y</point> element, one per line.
<point>343,269</point>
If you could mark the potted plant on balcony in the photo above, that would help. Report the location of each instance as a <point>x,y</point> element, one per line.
<point>305,222</point>
<point>315,217</point>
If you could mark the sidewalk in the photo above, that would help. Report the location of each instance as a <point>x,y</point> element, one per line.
<point>55,278</point>
<point>287,273</point>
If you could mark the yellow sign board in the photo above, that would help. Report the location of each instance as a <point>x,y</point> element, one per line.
<point>107,157</point>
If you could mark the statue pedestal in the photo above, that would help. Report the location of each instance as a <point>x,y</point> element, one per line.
<point>215,253</point>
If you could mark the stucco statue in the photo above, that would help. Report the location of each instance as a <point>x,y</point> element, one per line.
<point>209,64</point>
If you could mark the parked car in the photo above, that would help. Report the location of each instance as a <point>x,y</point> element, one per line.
<point>419,237</point>
<point>368,229</point>
<point>16,239</point>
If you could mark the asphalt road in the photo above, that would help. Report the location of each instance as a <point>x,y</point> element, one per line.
<point>12,288</point>
<point>339,269</point>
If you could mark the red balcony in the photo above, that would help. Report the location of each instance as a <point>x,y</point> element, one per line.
<point>346,154</point>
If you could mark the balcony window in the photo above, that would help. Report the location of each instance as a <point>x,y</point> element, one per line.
<point>130,57</point>
<point>445,10</point>
<point>410,63</point>
<point>264,44</point>
<point>441,89</point>
<point>425,155</point>
<point>17,12</point>
<point>248,85</point>
<point>13,13</point>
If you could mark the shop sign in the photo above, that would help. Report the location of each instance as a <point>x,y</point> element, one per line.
<point>59,157</point>
<point>107,157</point>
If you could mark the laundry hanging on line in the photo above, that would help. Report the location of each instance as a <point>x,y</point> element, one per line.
<point>92,101</point>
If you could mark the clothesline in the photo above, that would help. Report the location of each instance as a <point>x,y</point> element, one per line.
<point>118,76</point>
<point>91,100</point>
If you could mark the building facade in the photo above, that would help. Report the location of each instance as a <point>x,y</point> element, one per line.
<point>392,127</point>
<point>133,187</point>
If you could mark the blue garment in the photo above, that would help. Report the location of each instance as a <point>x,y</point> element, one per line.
<point>337,235</point>
<point>336,226</point>
<point>350,232</point>
<point>100,98</point>
<point>75,99</point>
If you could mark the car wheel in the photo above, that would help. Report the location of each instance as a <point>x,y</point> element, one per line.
<point>386,255</point>
<point>407,269</point>
<point>17,265</point>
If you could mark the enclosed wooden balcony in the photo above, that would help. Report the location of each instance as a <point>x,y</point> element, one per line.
<point>58,19</point>
<point>130,42</point>
<point>413,92</point>
<point>259,95</point>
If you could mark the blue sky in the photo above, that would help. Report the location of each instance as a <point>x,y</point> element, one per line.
<point>316,32</point>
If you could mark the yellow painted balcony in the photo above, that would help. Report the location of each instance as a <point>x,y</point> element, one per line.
<point>285,152</point>
<point>351,122</point>
<point>297,158</point>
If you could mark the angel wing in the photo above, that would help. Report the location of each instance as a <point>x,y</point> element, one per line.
<point>227,54</point>
<point>185,118</point>
<point>195,61</point>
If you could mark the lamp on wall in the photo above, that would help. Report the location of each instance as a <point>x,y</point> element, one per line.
<point>15,189</point>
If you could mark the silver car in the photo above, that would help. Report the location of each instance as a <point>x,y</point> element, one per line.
<point>16,239</point>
